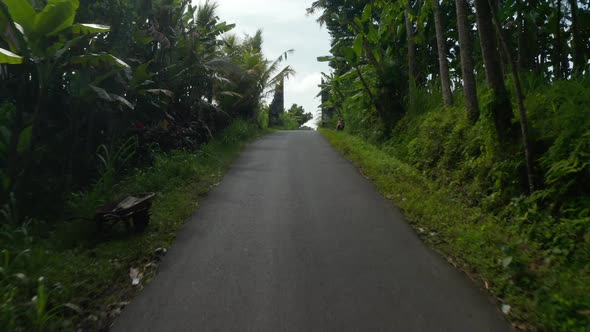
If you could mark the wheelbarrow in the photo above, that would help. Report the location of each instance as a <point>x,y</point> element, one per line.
<point>134,208</point>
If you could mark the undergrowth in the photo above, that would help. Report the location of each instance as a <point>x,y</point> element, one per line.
<point>453,179</point>
<point>72,277</point>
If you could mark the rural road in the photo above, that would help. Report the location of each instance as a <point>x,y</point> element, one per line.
<point>295,239</point>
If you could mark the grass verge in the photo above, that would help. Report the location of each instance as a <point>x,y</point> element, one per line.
<point>71,278</point>
<point>535,291</point>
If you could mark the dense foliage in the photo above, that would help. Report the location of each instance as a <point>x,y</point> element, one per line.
<point>294,118</point>
<point>77,279</point>
<point>117,79</point>
<point>489,98</point>
<point>98,99</point>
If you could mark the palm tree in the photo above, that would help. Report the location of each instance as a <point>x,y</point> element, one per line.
<point>411,49</point>
<point>467,68</point>
<point>442,55</point>
<point>257,76</point>
<point>577,42</point>
<point>501,106</point>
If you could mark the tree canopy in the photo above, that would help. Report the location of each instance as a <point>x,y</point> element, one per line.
<point>80,74</point>
<point>488,98</point>
<point>298,113</point>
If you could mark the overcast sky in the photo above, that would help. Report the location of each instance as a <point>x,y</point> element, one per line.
<point>285,25</point>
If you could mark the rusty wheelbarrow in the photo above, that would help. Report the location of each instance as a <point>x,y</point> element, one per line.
<point>134,208</point>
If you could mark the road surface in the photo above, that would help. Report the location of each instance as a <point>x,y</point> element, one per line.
<point>295,239</point>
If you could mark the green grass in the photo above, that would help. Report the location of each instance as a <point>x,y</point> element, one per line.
<point>544,292</point>
<point>80,279</point>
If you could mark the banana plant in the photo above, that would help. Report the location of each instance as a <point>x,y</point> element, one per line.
<point>41,39</point>
<point>38,35</point>
<point>41,43</point>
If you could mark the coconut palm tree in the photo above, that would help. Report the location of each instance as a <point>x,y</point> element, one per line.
<point>441,44</point>
<point>467,66</point>
<point>501,106</point>
<point>257,77</point>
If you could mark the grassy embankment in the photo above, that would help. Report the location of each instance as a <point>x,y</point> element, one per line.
<point>71,277</point>
<point>537,290</point>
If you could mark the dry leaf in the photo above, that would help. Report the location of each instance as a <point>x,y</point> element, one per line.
<point>135,276</point>
<point>521,326</point>
<point>73,307</point>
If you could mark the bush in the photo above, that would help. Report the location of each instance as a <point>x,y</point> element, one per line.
<point>238,131</point>
<point>53,275</point>
<point>536,262</point>
<point>287,122</point>
<point>542,239</point>
<point>263,117</point>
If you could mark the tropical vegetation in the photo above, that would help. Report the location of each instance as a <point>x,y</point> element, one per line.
<point>294,118</point>
<point>99,98</point>
<point>488,101</point>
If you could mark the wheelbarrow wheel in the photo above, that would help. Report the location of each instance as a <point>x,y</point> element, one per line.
<point>141,219</point>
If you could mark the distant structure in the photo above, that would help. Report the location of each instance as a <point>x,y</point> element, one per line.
<point>277,106</point>
<point>327,111</point>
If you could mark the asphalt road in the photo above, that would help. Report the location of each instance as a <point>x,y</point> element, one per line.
<point>295,239</point>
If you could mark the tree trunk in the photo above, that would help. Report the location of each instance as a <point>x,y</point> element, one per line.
<point>565,64</point>
<point>367,88</point>
<point>411,51</point>
<point>530,35</point>
<point>541,68</point>
<point>556,61</point>
<point>467,68</point>
<point>371,56</point>
<point>14,165</point>
<point>500,106</point>
<point>577,51</point>
<point>381,110</point>
<point>523,57</point>
<point>528,150</point>
<point>442,55</point>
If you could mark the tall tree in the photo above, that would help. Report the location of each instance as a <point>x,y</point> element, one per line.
<point>298,113</point>
<point>277,106</point>
<point>467,67</point>
<point>500,106</point>
<point>528,149</point>
<point>557,45</point>
<point>526,37</point>
<point>577,49</point>
<point>411,46</point>
<point>443,63</point>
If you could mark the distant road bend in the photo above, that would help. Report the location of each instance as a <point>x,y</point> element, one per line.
<point>295,239</point>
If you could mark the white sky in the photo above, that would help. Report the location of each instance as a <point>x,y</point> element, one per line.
<point>285,25</point>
